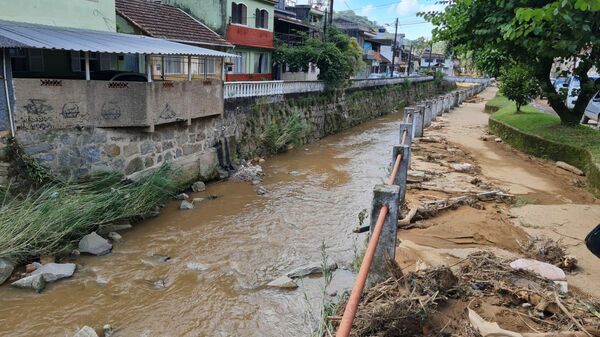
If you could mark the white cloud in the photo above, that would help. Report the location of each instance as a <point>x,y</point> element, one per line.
<point>412,7</point>
<point>366,10</point>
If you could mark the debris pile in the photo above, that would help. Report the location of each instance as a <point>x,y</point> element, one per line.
<point>482,284</point>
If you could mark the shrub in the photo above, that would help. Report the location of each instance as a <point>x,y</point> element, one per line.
<point>519,85</point>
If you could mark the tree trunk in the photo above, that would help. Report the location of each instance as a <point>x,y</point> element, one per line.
<point>555,100</point>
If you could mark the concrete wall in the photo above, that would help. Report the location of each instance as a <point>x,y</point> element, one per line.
<point>85,14</point>
<point>57,104</point>
<point>74,152</point>
<point>212,13</point>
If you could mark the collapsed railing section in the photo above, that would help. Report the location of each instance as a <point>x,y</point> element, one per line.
<point>387,198</point>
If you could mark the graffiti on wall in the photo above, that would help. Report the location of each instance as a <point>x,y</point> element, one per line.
<point>37,117</point>
<point>167,113</point>
<point>111,111</point>
<point>70,110</point>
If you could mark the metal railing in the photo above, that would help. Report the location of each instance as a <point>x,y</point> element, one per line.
<point>270,88</point>
<point>415,119</point>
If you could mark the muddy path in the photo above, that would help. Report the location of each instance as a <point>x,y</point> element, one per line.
<point>548,200</point>
<point>243,240</point>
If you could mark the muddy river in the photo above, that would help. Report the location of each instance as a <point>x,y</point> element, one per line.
<point>245,241</point>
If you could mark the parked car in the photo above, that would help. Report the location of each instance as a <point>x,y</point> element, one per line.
<point>592,111</point>
<point>573,86</point>
<point>130,77</point>
<point>558,82</point>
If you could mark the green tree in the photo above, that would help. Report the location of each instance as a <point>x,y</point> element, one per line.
<point>518,85</point>
<point>533,33</point>
<point>338,57</point>
<point>490,61</point>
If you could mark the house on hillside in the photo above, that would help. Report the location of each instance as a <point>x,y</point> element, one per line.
<point>436,62</point>
<point>246,24</point>
<point>371,45</point>
<point>171,23</point>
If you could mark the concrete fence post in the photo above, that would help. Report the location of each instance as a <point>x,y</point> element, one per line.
<point>438,106</point>
<point>400,179</point>
<point>428,113</point>
<point>412,112</point>
<point>455,102</point>
<point>419,118</point>
<point>384,195</point>
<point>409,133</point>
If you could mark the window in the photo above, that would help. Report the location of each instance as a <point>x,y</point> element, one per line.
<point>238,13</point>
<point>239,66</point>
<point>261,63</point>
<point>78,61</point>
<point>262,18</point>
<point>174,65</point>
<point>36,60</point>
<point>18,59</point>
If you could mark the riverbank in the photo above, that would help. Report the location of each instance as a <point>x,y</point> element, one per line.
<point>452,240</point>
<point>542,135</point>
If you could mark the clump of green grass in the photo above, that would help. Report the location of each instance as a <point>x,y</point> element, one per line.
<point>45,221</point>
<point>276,138</point>
<point>522,200</point>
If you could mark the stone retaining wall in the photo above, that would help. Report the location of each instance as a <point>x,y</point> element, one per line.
<point>75,152</point>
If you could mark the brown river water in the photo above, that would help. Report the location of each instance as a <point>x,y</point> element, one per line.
<point>245,240</point>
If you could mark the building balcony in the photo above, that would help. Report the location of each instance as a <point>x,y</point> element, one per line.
<point>250,37</point>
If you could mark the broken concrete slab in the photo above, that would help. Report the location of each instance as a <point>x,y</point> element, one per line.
<point>198,186</point>
<point>283,282</point>
<point>569,168</point>
<point>186,205</point>
<point>86,331</point>
<point>94,244</point>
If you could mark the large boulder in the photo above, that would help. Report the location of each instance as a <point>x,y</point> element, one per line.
<point>310,269</point>
<point>6,269</point>
<point>52,272</point>
<point>35,282</point>
<point>94,244</point>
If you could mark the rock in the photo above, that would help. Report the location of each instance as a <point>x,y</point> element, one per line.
<point>114,227</point>
<point>75,252</point>
<point>569,168</point>
<point>332,293</point>
<point>462,167</point>
<point>6,269</point>
<point>562,286</point>
<point>283,282</point>
<point>35,282</point>
<point>94,244</point>
<point>498,140</point>
<point>29,268</point>
<point>197,201</point>
<point>108,330</point>
<point>198,186</point>
<point>115,237</point>
<point>185,205</point>
<point>156,259</point>
<point>223,174</point>
<point>261,160</point>
<point>182,196</point>
<point>294,173</point>
<point>545,270</point>
<point>248,172</point>
<point>256,182</point>
<point>310,269</point>
<point>416,176</point>
<point>160,284</point>
<point>196,266</point>
<point>86,331</point>
<point>53,272</point>
<point>261,190</point>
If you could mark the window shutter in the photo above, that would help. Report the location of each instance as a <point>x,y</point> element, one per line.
<point>243,14</point>
<point>257,19</point>
<point>36,60</point>
<point>75,61</point>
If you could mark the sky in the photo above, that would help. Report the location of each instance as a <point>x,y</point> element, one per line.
<point>386,11</point>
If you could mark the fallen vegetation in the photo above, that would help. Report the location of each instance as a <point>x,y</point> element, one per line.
<point>412,304</point>
<point>48,220</point>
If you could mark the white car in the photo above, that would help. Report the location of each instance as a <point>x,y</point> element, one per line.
<point>572,86</point>
<point>592,111</point>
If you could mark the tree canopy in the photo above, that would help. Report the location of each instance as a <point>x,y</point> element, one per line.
<point>338,57</point>
<point>533,33</point>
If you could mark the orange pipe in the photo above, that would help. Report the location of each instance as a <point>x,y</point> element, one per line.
<point>361,279</point>
<point>395,170</point>
<point>404,134</point>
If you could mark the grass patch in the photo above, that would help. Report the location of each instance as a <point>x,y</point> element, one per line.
<point>522,200</point>
<point>496,103</point>
<point>50,220</point>
<point>276,138</point>
<point>544,136</point>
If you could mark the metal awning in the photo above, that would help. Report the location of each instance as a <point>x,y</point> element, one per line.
<point>27,35</point>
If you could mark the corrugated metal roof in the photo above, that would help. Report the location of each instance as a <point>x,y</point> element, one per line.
<point>26,35</point>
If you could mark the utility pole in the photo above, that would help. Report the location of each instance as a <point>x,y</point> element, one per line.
<point>325,25</point>
<point>330,13</point>
<point>430,50</point>
<point>409,60</point>
<point>394,47</point>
